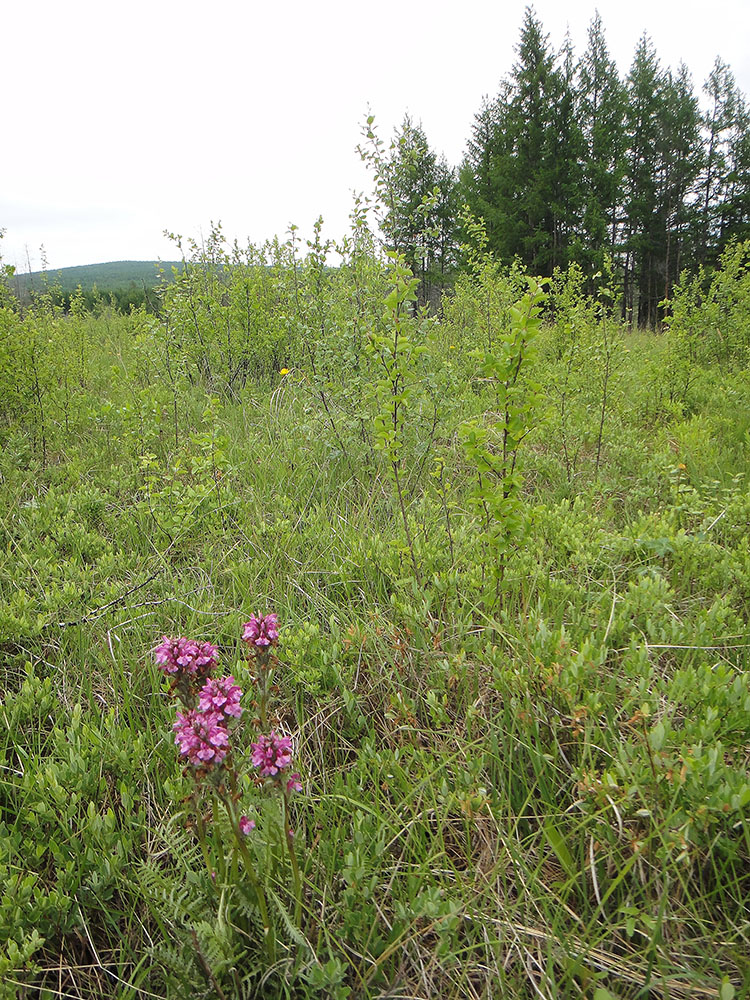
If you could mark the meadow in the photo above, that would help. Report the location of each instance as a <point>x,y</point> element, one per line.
<point>507,550</point>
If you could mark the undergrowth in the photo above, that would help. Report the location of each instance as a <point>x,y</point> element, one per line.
<point>523,745</point>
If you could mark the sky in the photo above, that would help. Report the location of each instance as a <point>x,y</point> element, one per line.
<point>123,120</point>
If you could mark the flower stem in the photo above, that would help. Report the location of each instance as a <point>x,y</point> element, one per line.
<point>249,867</point>
<point>263,667</point>
<point>289,838</point>
<point>201,831</point>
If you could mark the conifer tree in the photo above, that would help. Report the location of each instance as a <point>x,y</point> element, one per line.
<point>569,164</point>
<point>532,81</point>
<point>522,169</point>
<point>678,166</point>
<point>601,103</point>
<point>645,86</point>
<point>445,255</point>
<point>562,163</point>
<point>735,208</point>
<point>719,122</point>
<point>484,182</point>
<point>420,218</point>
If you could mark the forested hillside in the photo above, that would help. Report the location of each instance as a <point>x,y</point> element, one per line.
<point>125,282</point>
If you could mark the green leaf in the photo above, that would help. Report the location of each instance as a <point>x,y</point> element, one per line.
<point>657,736</point>
<point>557,842</point>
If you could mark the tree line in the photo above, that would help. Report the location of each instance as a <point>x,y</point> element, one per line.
<point>570,162</point>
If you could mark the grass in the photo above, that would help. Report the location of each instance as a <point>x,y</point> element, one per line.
<point>543,797</point>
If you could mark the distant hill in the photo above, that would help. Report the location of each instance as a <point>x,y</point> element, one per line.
<point>113,276</point>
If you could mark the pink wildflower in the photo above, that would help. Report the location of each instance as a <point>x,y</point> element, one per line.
<point>261,630</point>
<point>222,695</point>
<point>246,825</point>
<point>294,784</point>
<point>201,737</point>
<point>272,754</point>
<point>184,655</point>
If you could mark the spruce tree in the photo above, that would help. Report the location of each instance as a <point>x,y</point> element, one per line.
<point>718,124</point>
<point>562,163</point>
<point>645,87</point>
<point>678,166</point>
<point>573,164</point>
<point>445,254</point>
<point>484,181</point>
<point>522,169</point>
<point>530,122</point>
<point>420,218</point>
<point>601,104</point>
<point>735,207</point>
<point>725,179</point>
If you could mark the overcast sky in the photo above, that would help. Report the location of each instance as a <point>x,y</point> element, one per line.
<point>121,120</point>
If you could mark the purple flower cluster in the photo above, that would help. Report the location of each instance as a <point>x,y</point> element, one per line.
<point>183,655</point>
<point>294,784</point>
<point>246,825</point>
<point>261,631</point>
<point>201,736</point>
<point>272,754</point>
<point>222,696</point>
<point>201,733</point>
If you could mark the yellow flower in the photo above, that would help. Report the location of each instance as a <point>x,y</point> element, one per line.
<point>452,347</point>
<point>284,371</point>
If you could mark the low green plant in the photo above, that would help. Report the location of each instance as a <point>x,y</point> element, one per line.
<point>492,447</point>
<point>709,320</point>
<point>396,350</point>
